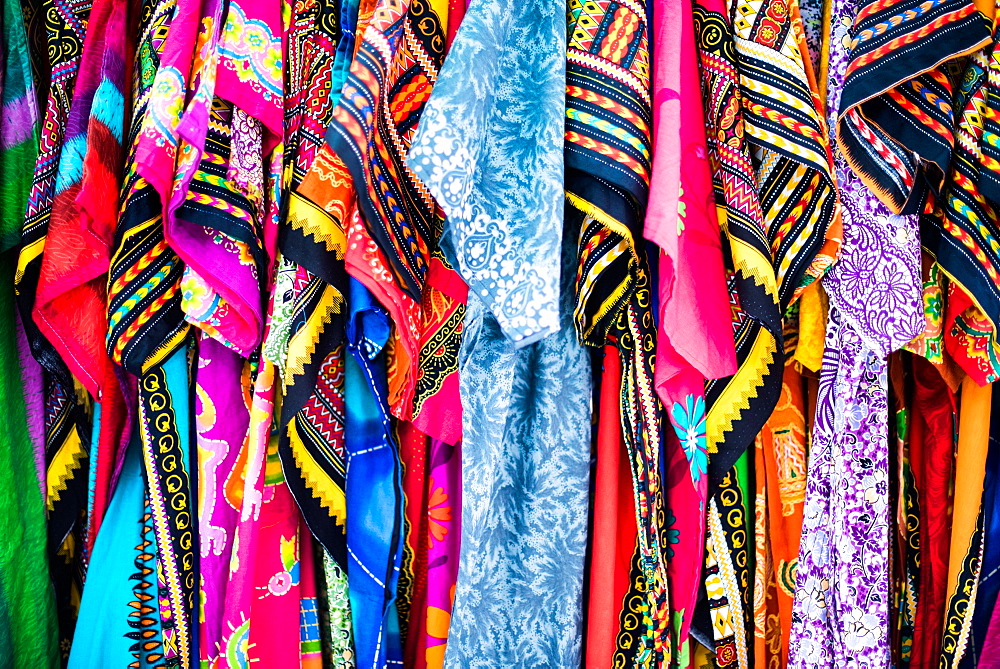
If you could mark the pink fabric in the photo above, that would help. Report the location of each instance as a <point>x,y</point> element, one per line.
<point>695,341</point>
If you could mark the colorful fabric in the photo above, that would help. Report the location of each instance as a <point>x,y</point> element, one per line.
<point>892,127</point>
<point>374,495</point>
<point>28,625</point>
<point>222,418</point>
<point>875,308</point>
<point>500,242</point>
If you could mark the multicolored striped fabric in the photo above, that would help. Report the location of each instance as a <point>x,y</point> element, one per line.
<point>895,116</point>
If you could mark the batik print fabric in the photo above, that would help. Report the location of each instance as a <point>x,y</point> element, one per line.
<point>504,214</point>
<point>503,204</point>
<point>519,594</point>
<point>841,608</point>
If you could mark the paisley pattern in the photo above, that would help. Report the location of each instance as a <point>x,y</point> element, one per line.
<point>502,198</point>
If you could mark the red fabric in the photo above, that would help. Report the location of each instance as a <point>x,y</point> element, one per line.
<point>932,433</point>
<point>614,529</point>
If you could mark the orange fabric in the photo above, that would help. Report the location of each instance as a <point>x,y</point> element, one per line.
<point>781,487</point>
<point>970,470</point>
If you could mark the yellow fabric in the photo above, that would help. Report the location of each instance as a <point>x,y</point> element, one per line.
<point>813,309</point>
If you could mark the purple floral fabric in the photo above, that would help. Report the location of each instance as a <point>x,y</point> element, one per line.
<point>841,612</point>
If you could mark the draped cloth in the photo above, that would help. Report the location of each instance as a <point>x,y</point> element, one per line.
<point>28,626</point>
<point>841,608</point>
<point>502,199</point>
<point>693,341</point>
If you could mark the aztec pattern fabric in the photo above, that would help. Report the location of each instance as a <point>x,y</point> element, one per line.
<point>894,123</point>
<point>519,592</point>
<point>145,320</point>
<point>693,300</point>
<point>875,308</point>
<point>961,233</point>
<point>785,125</point>
<point>608,119</point>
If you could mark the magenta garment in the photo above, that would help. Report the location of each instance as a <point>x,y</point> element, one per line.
<point>222,419</point>
<point>694,342</point>
<point>444,510</point>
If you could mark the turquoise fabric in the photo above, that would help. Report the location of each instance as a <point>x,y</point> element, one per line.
<point>101,638</point>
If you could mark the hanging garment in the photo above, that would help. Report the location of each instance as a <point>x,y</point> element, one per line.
<point>841,607</point>
<point>119,613</point>
<point>502,233</point>
<point>693,341</point>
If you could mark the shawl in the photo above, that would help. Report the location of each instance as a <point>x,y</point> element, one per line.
<point>845,532</point>
<point>72,285</point>
<point>893,125</point>
<point>737,406</point>
<point>960,233</point>
<point>396,64</point>
<point>65,26</point>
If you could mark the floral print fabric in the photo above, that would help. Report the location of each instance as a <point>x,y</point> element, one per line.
<point>841,608</point>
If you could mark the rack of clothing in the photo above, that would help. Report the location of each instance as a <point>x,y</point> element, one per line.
<point>468,334</point>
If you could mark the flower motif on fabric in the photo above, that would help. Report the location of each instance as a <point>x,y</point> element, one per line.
<point>673,534</point>
<point>688,419</point>
<point>438,513</point>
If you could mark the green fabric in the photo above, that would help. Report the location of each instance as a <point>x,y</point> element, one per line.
<point>27,607</point>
